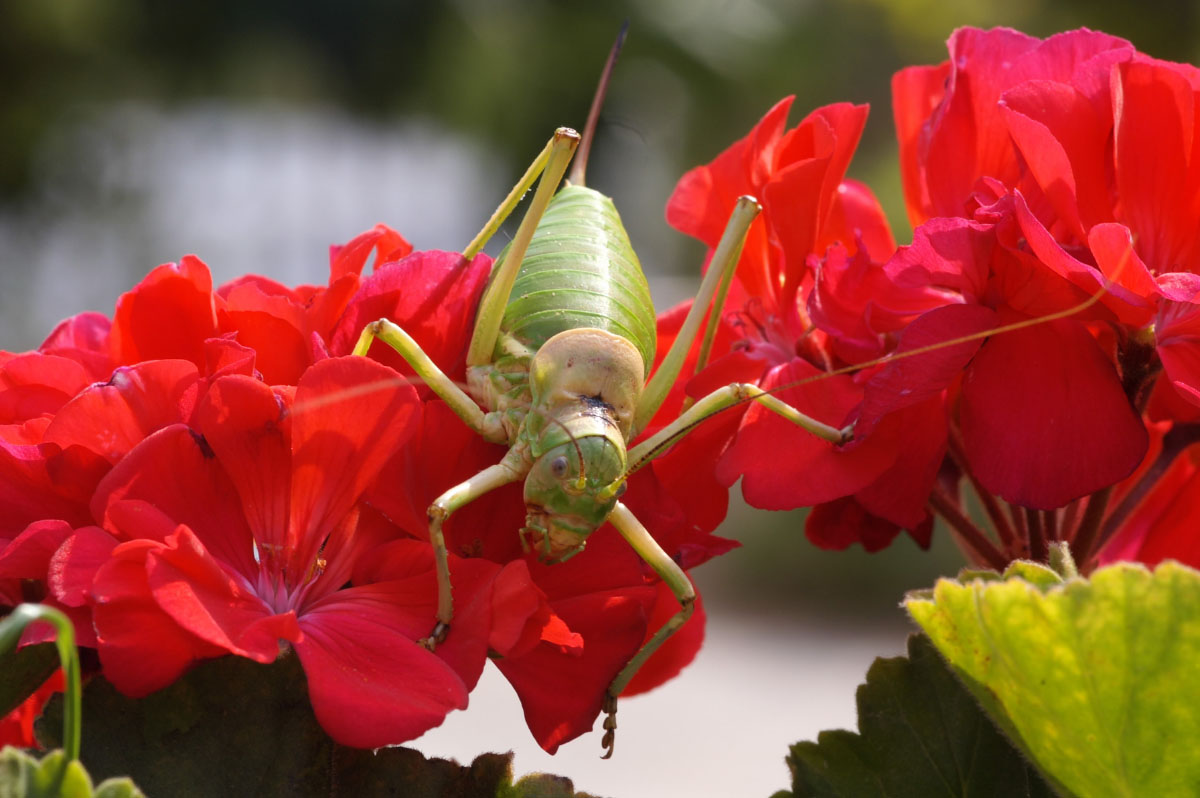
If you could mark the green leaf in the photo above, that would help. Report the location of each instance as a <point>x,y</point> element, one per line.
<point>1098,680</point>
<point>231,726</point>
<point>24,670</point>
<point>921,735</point>
<point>22,776</point>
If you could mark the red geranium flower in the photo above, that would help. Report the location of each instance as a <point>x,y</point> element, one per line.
<point>809,209</point>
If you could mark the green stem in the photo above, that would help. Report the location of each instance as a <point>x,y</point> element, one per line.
<point>10,634</point>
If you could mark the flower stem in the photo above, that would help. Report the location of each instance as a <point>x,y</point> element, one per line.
<point>1037,536</point>
<point>1083,546</point>
<point>995,512</point>
<point>1178,438</point>
<point>970,534</point>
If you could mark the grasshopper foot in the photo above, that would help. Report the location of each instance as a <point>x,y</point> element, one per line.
<point>610,725</point>
<point>438,635</point>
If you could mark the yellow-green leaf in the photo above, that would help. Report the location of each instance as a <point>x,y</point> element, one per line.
<point>1098,679</point>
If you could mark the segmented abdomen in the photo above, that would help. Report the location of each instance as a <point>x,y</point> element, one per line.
<point>581,271</point>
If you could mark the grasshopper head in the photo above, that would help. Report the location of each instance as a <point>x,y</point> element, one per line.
<point>569,492</point>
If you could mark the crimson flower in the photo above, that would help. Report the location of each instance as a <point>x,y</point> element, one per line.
<point>809,209</point>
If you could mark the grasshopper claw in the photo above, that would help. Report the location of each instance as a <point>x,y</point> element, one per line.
<point>438,635</point>
<point>610,725</point>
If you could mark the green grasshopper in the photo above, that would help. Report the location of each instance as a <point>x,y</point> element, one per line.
<point>557,370</point>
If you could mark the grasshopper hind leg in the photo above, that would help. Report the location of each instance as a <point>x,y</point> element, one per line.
<point>648,549</point>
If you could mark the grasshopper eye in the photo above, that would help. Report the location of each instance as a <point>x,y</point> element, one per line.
<point>558,466</point>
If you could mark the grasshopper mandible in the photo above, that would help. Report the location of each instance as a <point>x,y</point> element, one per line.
<point>558,368</point>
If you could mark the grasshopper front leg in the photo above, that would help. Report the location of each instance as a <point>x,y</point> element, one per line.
<point>512,468</point>
<point>718,400</point>
<point>716,283</point>
<point>648,549</point>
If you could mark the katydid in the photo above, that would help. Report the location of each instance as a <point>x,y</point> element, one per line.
<point>558,363</point>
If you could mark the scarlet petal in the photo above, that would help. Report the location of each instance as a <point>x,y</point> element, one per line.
<point>1158,162</point>
<point>445,453</point>
<point>168,315</point>
<point>1178,343</point>
<point>194,491</point>
<point>247,426</point>
<point>1163,524</point>
<point>350,416</point>
<point>840,523</point>
<point>28,555</point>
<point>273,326</point>
<point>351,257</point>
<point>916,92</point>
<point>75,563</point>
<point>775,483</point>
<point>432,295</point>
<point>900,494</point>
<point>370,683</point>
<point>34,384</point>
<point>204,599</point>
<point>909,380</point>
<point>142,649</point>
<point>562,694</point>
<point>112,418</point>
<point>1044,418</point>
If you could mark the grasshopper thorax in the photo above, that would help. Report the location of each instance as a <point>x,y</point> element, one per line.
<point>585,385</point>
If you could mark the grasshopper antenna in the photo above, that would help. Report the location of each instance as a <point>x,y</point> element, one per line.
<point>579,168</point>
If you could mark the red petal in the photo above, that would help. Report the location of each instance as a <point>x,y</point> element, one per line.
<point>432,295</point>
<point>34,384</point>
<point>194,490</point>
<point>370,683</point>
<point>953,334</point>
<point>774,483</point>
<point>838,524</point>
<point>84,339</point>
<point>1158,163</point>
<point>916,92</point>
<point>350,416</point>
<point>203,598</point>
<point>1044,418</point>
<point>27,556</point>
<point>445,453</point>
<point>167,315</point>
<point>273,326</point>
<point>1163,524</point>
<point>900,494</point>
<point>562,694</point>
<point>248,428</point>
<point>141,648</point>
<point>74,564</point>
<point>112,418</point>
<point>350,258</point>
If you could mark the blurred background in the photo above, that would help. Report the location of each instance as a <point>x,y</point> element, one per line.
<point>256,134</point>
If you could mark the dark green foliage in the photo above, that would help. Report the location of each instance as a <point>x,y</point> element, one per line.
<point>232,727</point>
<point>24,671</point>
<point>921,735</point>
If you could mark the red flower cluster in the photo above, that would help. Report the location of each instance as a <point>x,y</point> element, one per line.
<point>211,473</point>
<point>1055,188</point>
